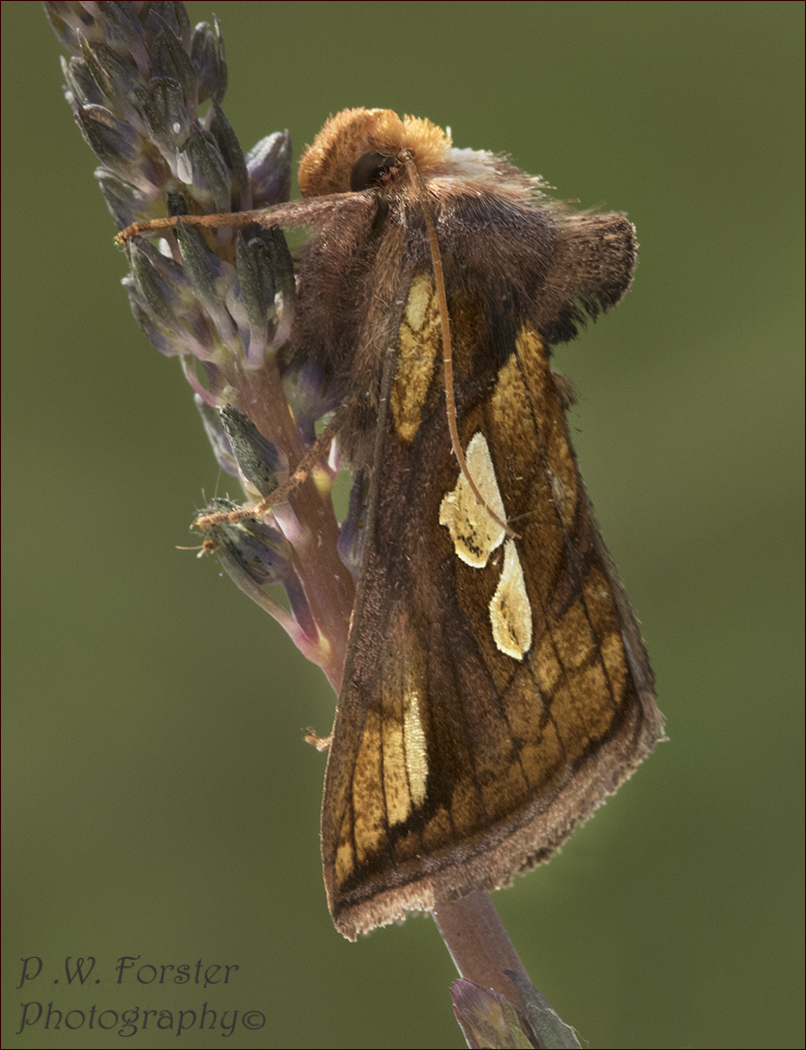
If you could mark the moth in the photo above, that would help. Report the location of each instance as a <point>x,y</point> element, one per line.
<point>496,688</point>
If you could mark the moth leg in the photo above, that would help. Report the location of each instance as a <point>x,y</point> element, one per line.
<point>300,474</point>
<point>233,219</point>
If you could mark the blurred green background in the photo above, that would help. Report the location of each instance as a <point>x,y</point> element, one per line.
<point>159,799</point>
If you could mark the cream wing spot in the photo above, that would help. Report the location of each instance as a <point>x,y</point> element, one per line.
<point>422,289</point>
<point>510,609</point>
<point>474,532</point>
<point>417,351</point>
<point>405,762</point>
<point>403,742</point>
<point>416,755</point>
<point>395,782</point>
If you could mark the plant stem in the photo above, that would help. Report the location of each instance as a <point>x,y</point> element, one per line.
<point>479,943</point>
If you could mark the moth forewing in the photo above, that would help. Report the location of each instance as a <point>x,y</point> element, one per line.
<point>496,690</point>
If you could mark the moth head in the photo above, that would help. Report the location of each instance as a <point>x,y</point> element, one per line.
<point>359,149</point>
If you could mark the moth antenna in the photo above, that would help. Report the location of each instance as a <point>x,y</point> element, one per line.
<point>447,351</point>
<point>282,492</point>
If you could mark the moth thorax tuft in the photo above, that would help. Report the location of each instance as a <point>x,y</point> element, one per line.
<point>327,165</point>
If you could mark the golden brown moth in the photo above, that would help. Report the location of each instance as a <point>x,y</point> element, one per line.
<point>496,687</point>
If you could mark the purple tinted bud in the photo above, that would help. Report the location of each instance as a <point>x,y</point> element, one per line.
<point>216,435</point>
<point>209,60</point>
<point>70,21</point>
<point>165,115</point>
<point>170,60</point>
<point>259,460</point>
<point>206,170</point>
<point>230,148</point>
<point>269,166</point>
<point>81,85</point>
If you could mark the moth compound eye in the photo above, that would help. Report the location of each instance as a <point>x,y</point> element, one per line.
<point>370,170</point>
